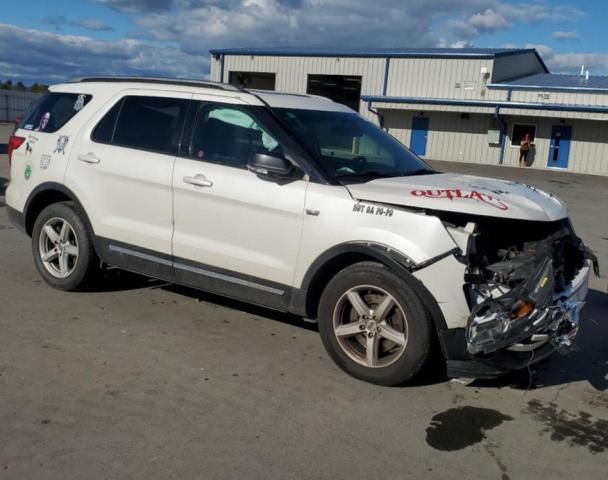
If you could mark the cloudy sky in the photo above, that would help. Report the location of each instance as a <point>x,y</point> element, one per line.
<point>51,40</point>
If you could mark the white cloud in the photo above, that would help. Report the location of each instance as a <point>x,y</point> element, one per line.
<point>595,62</point>
<point>493,15</point>
<point>55,57</point>
<point>565,35</point>
<point>488,21</point>
<point>173,37</point>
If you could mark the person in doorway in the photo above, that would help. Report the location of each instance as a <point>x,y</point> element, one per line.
<point>524,150</point>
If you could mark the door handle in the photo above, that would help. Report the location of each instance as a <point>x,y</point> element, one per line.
<point>89,158</point>
<point>198,181</point>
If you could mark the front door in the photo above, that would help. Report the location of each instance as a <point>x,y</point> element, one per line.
<point>235,233</point>
<point>559,149</point>
<point>420,132</point>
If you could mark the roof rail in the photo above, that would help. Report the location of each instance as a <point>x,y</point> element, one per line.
<point>158,80</point>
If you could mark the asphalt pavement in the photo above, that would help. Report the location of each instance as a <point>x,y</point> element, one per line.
<point>144,380</point>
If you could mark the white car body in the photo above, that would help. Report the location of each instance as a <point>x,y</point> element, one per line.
<point>261,237</point>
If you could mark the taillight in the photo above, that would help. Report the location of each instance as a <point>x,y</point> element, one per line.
<point>14,142</point>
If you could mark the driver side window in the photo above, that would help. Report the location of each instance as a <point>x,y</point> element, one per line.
<point>229,135</point>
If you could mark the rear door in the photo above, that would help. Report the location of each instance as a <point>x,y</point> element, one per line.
<point>121,170</point>
<point>235,234</point>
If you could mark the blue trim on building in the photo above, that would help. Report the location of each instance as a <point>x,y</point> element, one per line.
<point>387,65</point>
<point>488,104</point>
<point>3,148</point>
<point>470,53</point>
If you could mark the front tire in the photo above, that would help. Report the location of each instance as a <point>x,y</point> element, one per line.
<point>63,249</point>
<point>373,324</point>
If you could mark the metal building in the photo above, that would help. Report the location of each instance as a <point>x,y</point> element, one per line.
<point>468,105</point>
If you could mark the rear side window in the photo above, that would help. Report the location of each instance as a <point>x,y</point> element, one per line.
<point>104,131</point>
<point>53,111</point>
<point>144,123</point>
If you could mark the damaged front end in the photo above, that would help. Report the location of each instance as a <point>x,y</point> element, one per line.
<point>525,282</point>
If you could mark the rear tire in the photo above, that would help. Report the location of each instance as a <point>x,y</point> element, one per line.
<point>373,324</point>
<point>63,248</point>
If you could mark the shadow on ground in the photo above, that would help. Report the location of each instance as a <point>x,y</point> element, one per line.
<point>588,362</point>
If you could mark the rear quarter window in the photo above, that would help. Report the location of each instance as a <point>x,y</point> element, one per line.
<point>53,111</point>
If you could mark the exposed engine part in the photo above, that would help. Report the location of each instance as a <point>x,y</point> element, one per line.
<point>496,323</point>
<point>516,271</point>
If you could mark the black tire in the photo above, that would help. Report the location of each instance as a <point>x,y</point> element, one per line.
<point>418,326</point>
<point>84,268</point>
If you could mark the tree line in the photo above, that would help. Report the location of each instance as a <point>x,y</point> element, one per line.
<point>21,87</point>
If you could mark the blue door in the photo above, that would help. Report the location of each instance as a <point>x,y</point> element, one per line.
<point>420,132</point>
<point>559,149</point>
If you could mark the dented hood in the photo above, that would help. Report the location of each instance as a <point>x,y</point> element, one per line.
<point>464,194</point>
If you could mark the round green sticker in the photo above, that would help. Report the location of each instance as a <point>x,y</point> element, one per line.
<point>28,171</point>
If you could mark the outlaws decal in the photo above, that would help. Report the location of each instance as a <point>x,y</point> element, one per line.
<point>62,142</point>
<point>451,194</point>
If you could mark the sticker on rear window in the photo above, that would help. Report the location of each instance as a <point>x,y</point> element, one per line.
<point>44,121</point>
<point>79,103</point>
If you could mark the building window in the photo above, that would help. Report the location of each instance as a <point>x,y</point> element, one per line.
<point>344,89</point>
<point>520,130</point>
<point>254,80</point>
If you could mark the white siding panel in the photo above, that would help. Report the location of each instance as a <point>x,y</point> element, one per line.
<point>566,98</point>
<point>436,78</point>
<point>214,69</point>
<point>450,137</point>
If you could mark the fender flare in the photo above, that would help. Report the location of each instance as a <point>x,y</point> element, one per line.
<point>395,260</point>
<point>58,187</point>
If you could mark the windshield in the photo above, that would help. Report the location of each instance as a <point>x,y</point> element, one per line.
<point>349,148</point>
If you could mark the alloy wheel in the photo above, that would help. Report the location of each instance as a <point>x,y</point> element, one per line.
<point>370,326</point>
<point>58,247</point>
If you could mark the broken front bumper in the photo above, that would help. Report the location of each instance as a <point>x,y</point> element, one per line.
<point>554,318</point>
<point>531,344</point>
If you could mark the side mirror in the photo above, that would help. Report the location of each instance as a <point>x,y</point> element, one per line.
<point>268,165</point>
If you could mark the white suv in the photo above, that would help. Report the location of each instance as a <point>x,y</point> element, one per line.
<point>299,204</point>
